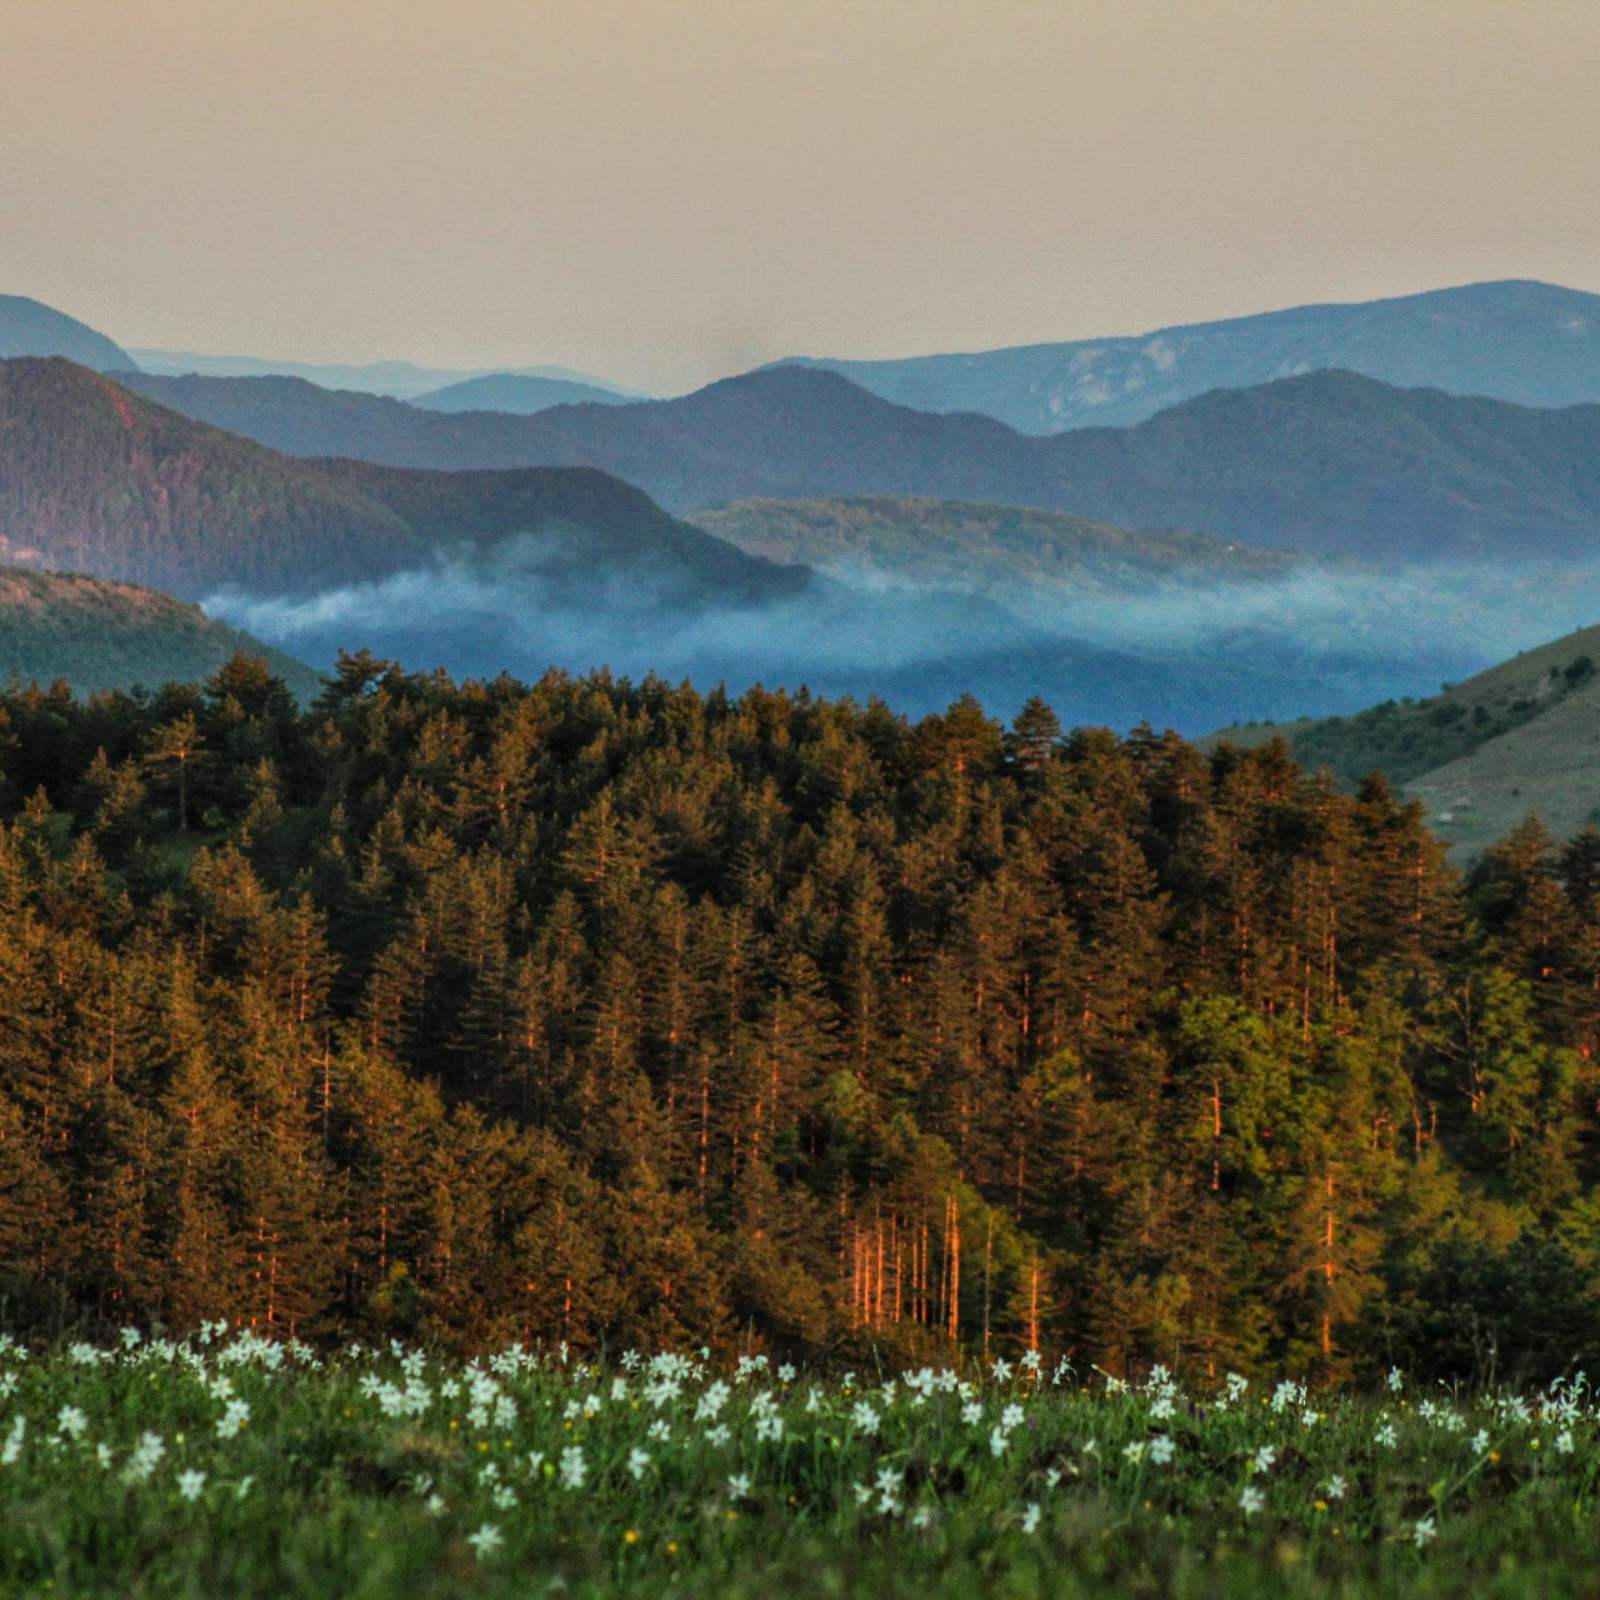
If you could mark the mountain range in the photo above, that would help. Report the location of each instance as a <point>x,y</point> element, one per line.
<point>403,380</point>
<point>524,568</point>
<point>1519,340</point>
<point>1532,343</point>
<point>1330,463</point>
<point>101,480</point>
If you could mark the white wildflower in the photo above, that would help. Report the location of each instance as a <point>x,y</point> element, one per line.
<point>486,1540</point>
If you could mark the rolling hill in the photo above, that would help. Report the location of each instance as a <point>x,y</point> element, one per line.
<point>961,546</point>
<point>1329,463</point>
<point>100,480</point>
<point>97,634</point>
<point>1532,343</point>
<point>519,394</point>
<point>1521,737</point>
<point>29,328</point>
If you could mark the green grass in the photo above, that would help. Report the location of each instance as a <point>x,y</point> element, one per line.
<point>368,1475</point>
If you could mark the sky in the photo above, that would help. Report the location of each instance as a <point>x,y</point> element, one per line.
<point>667,191</point>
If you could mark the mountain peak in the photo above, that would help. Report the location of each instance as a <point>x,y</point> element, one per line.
<point>28,327</point>
<point>1516,339</point>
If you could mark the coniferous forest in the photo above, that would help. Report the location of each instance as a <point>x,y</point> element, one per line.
<point>618,1013</point>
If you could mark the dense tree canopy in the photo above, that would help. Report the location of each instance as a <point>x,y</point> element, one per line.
<point>617,1012</point>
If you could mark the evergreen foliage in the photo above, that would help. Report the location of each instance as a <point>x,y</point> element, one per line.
<point>608,1011</point>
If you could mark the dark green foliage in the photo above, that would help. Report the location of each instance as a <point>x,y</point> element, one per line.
<point>1406,739</point>
<point>605,1011</point>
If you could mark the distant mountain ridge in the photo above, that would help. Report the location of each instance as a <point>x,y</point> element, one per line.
<point>518,393</point>
<point>30,328</point>
<point>98,479</point>
<point>1330,463</point>
<point>1531,343</point>
<point>401,380</point>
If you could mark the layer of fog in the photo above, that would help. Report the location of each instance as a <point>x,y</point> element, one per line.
<point>1186,655</point>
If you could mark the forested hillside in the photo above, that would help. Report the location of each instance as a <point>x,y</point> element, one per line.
<point>101,635</point>
<point>618,1014</point>
<point>101,480</point>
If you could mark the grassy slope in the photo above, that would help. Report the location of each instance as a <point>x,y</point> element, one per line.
<point>102,635</point>
<point>1516,738</point>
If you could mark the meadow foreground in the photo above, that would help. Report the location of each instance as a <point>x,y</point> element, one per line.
<point>233,1465</point>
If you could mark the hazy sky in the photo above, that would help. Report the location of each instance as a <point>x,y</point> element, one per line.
<point>665,191</point>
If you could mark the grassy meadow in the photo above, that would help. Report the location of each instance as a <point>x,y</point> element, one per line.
<point>232,1465</point>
